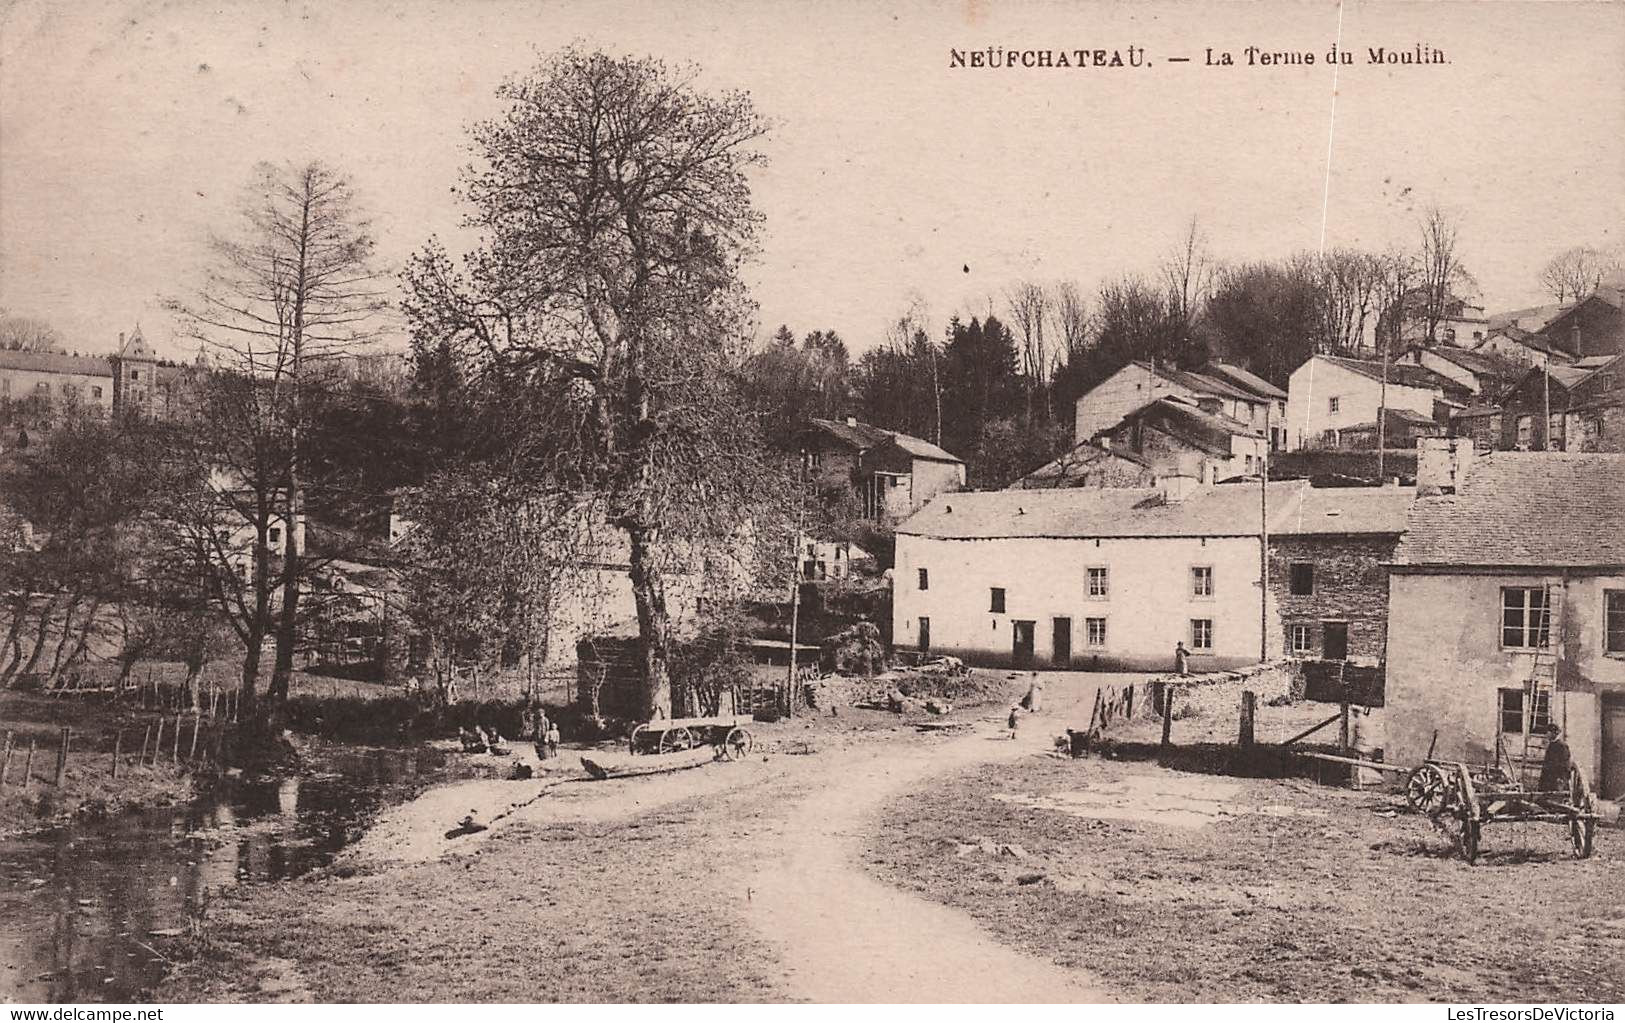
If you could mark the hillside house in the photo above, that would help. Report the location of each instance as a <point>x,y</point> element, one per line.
<point>1483,373</point>
<point>131,380</point>
<point>1139,383</point>
<point>1593,326</point>
<point>1089,465</point>
<point>1176,438</point>
<point>1399,428</point>
<point>1461,324</point>
<point>1468,595</point>
<point>1576,407</point>
<point>1112,578</point>
<point>890,473</point>
<point>1329,393</point>
<point>1524,347</point>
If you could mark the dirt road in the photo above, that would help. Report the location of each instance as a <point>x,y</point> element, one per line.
<point>846,937</point>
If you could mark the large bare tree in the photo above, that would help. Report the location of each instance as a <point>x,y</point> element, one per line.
<point>1441,275</point>
<point>289,291</point>
<point>26,334</point>
<point>1576,272</point>
<point>613,213</point>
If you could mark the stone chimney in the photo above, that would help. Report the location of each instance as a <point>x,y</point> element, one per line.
<point>1442,464</point>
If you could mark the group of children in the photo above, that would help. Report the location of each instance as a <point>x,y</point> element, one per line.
<point>484,739</point>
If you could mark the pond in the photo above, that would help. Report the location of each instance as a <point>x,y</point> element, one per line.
<point>78,904</point>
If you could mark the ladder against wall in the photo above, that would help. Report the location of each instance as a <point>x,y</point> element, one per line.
<point>1542,682</point>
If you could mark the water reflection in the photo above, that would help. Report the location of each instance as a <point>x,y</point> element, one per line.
<point>78,905</point>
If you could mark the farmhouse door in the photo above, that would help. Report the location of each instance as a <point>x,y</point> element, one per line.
<point>925,635</point>
<point>1613,748</point>
<point>1022,643</point>
<point>1336,640</point>
<point>1061,648</point>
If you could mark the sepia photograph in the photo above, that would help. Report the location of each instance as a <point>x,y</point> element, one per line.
<point>930,502</point>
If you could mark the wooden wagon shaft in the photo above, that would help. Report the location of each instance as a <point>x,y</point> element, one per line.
<point>1306,734</point>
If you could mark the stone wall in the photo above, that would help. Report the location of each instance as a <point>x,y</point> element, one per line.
<point>1350,585</point>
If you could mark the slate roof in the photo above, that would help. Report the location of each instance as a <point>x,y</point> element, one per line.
<point>1081,456</point>
<point>1542,509</point>
<point>1404,376</point>
<point>1396,415</point>
<point>57,362</point>
<point>1245,380</point>
<point>1229,509</point>
<point>1481,363</point>
<point>1346,510</point>
<point>1202,383</point>
<point>862,437</point>
<point>1526,320</point>
<point>1190,424</point>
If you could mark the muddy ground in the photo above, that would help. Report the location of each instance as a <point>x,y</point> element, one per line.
<point>1187,887</point>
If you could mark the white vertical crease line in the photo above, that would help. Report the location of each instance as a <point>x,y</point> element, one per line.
<point>1331,132</point>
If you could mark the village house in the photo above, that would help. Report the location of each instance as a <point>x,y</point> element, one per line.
<point>832,559</point>
<point>891,473</point>
<point>1595,325</point>
<point>1220,389</point>
<point>1578,407</point>
<point>1089,465</point>
<point>1461,323</point>
<point>1328,394</point>
<point>1111,578</point>
<point>1176,438</point>
<point>1524,347</point>
<point>1485,374</point>
<point>1507,611</point>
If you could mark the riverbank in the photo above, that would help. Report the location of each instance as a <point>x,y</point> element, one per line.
<point>31,799</point>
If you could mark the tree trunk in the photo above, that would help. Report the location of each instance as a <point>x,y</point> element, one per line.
<point>654,626</point>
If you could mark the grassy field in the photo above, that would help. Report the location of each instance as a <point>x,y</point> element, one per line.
<point>1182,887</point>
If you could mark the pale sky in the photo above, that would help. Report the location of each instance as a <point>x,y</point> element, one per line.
<point>127,130</point>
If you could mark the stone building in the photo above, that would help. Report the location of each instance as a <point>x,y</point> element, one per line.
<point>1524,563</point>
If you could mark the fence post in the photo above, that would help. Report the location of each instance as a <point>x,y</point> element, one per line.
<point>62,755</point>
<point>1343,726</point>
<point>28,765</point>
<point>1167,712</point>
<point>158,742</point>
<point>118,749</point>
<point>1249,707</point>
<point>191,753</point>
<point>5,760</point>
<point>175,749</point>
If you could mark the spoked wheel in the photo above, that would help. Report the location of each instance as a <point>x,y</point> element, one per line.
<point>1424,790</point>
<point>1582,826</point>
<point>738,744</point>
<point>675,739</point>
<point>635,738</point>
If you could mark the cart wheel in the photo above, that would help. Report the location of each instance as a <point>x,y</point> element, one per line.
<point>1424,790</point>
<point>633,739</point>
<point>1471,829</point>
<point>674,739</point>
<point>737,745</point>
<point>1582,830</point>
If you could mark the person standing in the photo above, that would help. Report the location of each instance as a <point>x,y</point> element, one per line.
<point>1181,659</point>
<point>1557,763</point>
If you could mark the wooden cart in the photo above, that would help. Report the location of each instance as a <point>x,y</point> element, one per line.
<point>728,735</point>
<point>1468,803</point>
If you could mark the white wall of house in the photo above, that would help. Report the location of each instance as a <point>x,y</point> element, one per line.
<point>1447,664</point>
<point>1133,386</point>
<point>932,478</point>
<point>85,389</point>
<point>1148,607</point>
<point>1323,396</point>
<point>1429,359</point>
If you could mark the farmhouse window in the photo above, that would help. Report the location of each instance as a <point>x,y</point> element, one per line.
<point>1332,405</point>
<point>1094,631</point>
<point>1526,431</point>
<point>1302,639</point>
<point>1524,619</point>
<point>1554,432</point>
<point>96,392</point>
<point>273,535</point>
<point>1303,579</point>
<point>1614,621</point>
<point>1511,707</point>
<point>925,579</point>
<point>1202,580</point>
<point>1099,584</point>
<point>996,601</point>
<point>1202,634</point>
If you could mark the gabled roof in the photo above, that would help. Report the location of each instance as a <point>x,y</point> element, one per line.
<point>1239,377</point>
<point>856,435</point>
<point>1476,411</point>
<point>1484,364</point>
<point>1082,455</point>
<point>57,362</point>
<point>862,437</point>
<point>1526,320</point>
<point>1403,376</point>
<point>1232,509</point>
<point>922,448</point>
<point>1201,383</point>
<point>1542,509</point>
<point>1403,416</point>
<point>1187,422</point>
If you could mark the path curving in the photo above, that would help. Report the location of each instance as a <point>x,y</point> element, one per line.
<point>847,937</point>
